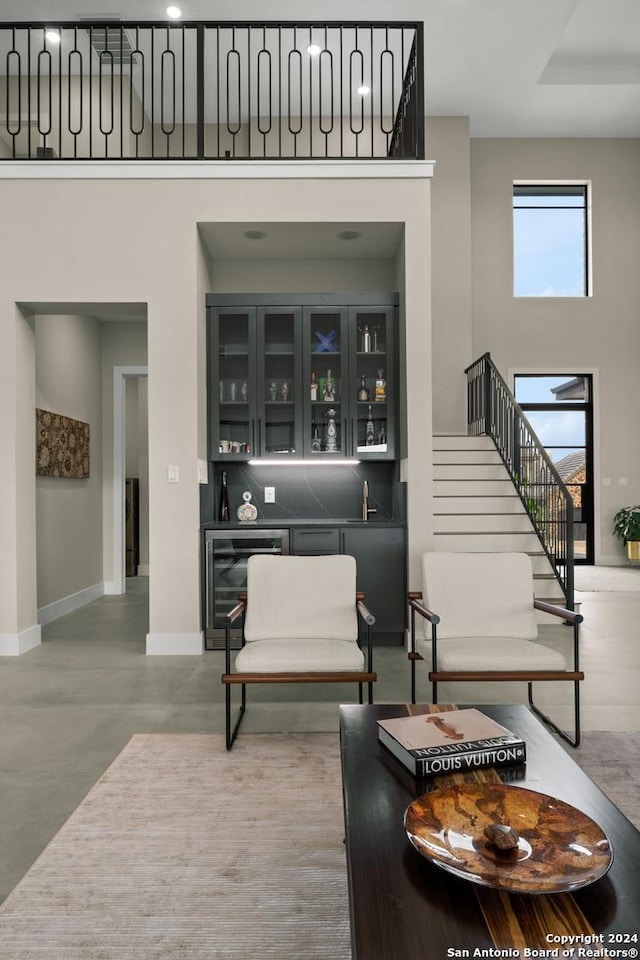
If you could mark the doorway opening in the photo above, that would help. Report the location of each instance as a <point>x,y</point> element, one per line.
<point>559,407</point>
<point>130,461</point>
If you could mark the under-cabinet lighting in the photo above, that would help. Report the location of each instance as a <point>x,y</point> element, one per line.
<point>174,12</point>
<point>314,50</point>
<point>302,463</point>
<point>53,36</point>
<point>363,90</point>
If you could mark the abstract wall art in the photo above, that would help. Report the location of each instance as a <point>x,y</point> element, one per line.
<point>62,446</point>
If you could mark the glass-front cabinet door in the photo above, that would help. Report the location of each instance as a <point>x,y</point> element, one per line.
<point>325,393</point>
<point>372,378</point>
<point>302,381</point>
<point>279,383</point>
<point>232,383</point>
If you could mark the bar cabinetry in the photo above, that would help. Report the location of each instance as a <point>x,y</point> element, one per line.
<point>289,377</point>
<point>225,572</point>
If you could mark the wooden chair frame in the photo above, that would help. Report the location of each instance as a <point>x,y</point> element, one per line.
<point>570,617</point>
<point>228,678</point>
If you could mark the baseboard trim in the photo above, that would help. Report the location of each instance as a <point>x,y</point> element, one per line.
<point>60,608</point>
<point>175,644</point>
<point>15,644</point>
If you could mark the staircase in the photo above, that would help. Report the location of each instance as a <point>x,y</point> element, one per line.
<point>477,508</point>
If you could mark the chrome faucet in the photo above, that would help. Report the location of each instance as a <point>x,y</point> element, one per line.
<point>366,509</point>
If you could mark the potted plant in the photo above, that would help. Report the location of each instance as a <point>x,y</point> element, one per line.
<point>626,526</point>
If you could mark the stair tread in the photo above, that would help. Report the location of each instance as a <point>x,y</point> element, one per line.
<point>474,533</point>
<point>475,513</point>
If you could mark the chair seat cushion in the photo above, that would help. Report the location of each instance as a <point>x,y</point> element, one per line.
<point>299,656</point>
<point>497,653</point>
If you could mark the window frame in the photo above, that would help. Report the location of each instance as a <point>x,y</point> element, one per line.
<point>588,271</point>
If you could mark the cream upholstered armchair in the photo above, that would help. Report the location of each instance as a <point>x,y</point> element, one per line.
<point>299,625</point>
<point>479,616</point>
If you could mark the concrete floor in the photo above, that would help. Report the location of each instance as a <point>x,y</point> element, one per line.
<point>68,707</point>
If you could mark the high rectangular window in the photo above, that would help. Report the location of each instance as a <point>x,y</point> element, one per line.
<point>550,240</point>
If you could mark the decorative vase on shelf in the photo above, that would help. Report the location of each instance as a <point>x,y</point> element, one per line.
<point>329,388</point>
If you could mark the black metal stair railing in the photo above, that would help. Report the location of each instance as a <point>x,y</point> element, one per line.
<point>492,410</point>
<point>96,90</point>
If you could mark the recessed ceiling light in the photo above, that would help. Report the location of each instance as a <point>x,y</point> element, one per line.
<point>174,12</point>
<point>313,49</point>
<point>52,36</point>
<point>348,234</point>
<point>363,90</point>
<point>254,234</point>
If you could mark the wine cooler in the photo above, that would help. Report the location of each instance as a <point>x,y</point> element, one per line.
<point>225,574</point>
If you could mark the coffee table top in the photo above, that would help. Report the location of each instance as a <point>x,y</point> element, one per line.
<point>404,907</point>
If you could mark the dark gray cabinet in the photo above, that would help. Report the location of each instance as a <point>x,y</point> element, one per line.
<point>255,390</point>
<point>293,376</point>
<point>380,560</point>
<point>315,541</point>
<point>381,575</point>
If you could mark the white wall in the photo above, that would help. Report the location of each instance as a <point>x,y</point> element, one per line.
<point>300,276</point>
<point>449,145</point>
<point>137,458</point>
<point>69,512</point>
<point>159,261</point>
<point>600,333</point>
<point>123,344</point>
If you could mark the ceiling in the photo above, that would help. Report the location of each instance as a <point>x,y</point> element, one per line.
<point>516,68</point>
<point>301,241</point>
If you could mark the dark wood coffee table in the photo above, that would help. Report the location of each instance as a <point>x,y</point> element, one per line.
<point>404,907</point>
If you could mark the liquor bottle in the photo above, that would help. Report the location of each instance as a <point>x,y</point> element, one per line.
<point>332,432</point>
<point>314,386</point>
<point>223,507</point>
<point>369,433</point>
<point>363,390</point>
<point>381,387</point>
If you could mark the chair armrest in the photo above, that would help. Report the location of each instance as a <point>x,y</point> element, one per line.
<point>237,611</point>
<point>569,615</point>
<point>368,617</point>
<point>422,610</point>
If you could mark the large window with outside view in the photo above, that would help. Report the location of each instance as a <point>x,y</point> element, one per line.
<point>551,240</point>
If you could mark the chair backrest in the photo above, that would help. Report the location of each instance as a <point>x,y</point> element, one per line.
<point>301,598</point>
<point>480,594</point>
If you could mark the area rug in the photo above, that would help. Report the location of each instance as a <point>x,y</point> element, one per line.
<point>183,851</point>
<point>611,760</point>
<point>607,579</point>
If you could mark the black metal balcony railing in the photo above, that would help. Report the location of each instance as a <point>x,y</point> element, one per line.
<point>210,91</point>
<point>492,410</point>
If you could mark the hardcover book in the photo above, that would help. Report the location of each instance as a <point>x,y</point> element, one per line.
<point>450,742</point>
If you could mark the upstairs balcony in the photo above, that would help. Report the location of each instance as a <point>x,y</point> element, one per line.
<point>114,90</point>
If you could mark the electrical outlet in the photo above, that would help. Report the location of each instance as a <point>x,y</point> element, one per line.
<point>269,494</point>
